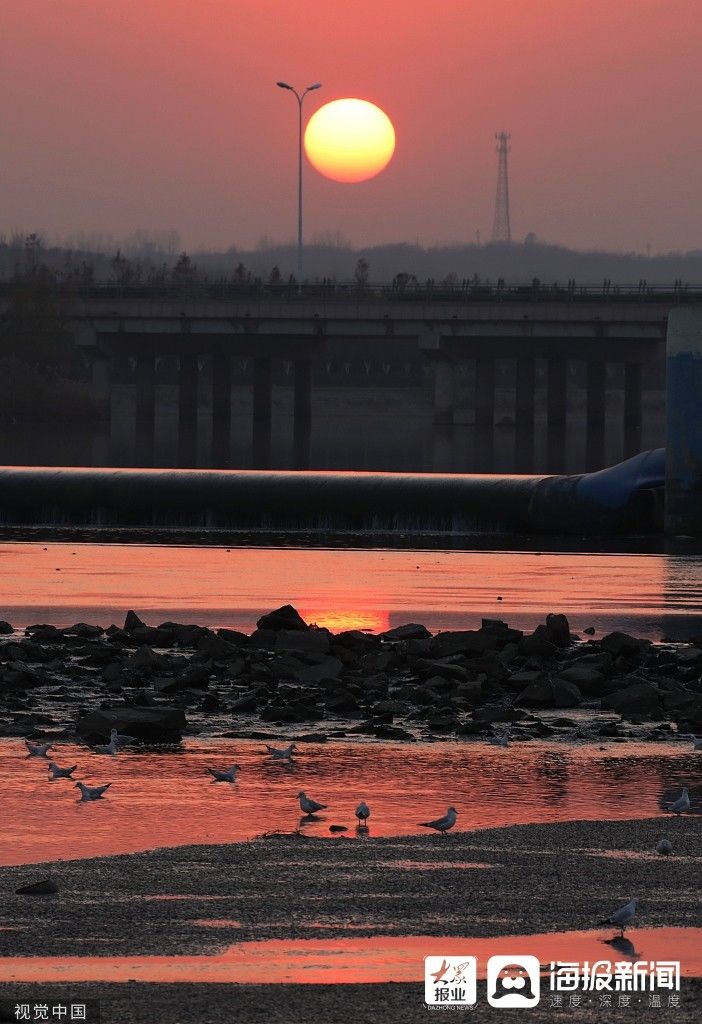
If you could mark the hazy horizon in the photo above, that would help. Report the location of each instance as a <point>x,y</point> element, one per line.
<point>165,115</point>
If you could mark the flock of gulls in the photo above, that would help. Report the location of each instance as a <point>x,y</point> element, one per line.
<point>621,918</point>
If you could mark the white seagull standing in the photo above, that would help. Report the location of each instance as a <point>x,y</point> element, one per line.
<point>363,812</point>
<point>121,739</point>
<point>110,748</point>
<point>308,806</point>
<point>38,749</point>
<point>55,772</point>
<point>227,776</point>
<point>281,753</point>
<point>442,824</point>
<point>622,917</point>
<point>91,792</point>
<point>681,805</point>
<point>499,741</point>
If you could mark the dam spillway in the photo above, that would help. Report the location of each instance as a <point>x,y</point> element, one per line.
<point>617,500</point>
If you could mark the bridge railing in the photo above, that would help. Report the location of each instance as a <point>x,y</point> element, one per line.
<point>403,288</point>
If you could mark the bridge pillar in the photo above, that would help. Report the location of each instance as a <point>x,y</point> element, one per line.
<point>596,371</point>
<point>302,414</point>
<point>187,411</point>
<point>145,410</point>
<point>683,478</point>
<point>484,413</point>
<point>444,407</point>
<point>633,395</point>
<point>221,410</point>
<point>262,412</point>
<point>556,397</point>
<point>524,415</point>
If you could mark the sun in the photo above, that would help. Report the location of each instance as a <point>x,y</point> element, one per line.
<point>349,140</point>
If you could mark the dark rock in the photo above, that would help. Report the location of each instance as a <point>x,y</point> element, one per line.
<point>150,724</point>
<point>639,699</point>
<point>152,636</point>
<point>498,713</point>
<point>338,828</point>
<point>690,719</point>
<point>410,631</point>
<point>5,628</point>
<point>589,681</point>
<point>590,630</point>
<point>342,702</point>
<point>285,617</point>
<point>469,641</point>
<point>558,630</point>
<point>215,647</point>
<point>623,644</point>
<point>316,640</point>
<point>132,621</point>
<point>83,629</point>
<point>233,636</point>
<point>536,645</point>
<point>392,732</point>
<point>248,701</point>
<point>550,693</point>
<point>46,887</point>
<point>356,640</point>
<point>211,702</point>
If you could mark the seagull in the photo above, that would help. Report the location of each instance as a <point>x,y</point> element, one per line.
<point>442,824</point>
<point>110,748</point>
<point>696,743</point>
<point>91,792</point>
<point>308,806</point>
<point>682,804</point>
<point>664,847</point>
<point>622,917</point>
<point>121,739</point>
<point>228,776</point>
<point>499,741</point>
<point>281,753</point>
<point>363,812</point>
<point>38,749</point>
<point>55,772</point>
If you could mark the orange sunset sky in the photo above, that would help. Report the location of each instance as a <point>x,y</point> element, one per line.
<point>163,114</point>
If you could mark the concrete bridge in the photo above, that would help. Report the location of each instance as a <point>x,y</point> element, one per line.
<point>434,340</point>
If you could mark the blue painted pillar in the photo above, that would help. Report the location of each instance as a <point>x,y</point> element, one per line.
<point>683,478</point>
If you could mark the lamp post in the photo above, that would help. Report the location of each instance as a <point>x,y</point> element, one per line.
<point>299,96</point>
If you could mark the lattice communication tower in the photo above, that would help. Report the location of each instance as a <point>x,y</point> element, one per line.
<point>501,231</point>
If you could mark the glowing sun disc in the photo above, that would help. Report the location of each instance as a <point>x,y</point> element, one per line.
<point>349,140</point>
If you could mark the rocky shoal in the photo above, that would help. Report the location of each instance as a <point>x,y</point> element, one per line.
<point>159,682</point>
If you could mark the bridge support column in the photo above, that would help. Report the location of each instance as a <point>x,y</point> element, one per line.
<point>484,413</point>
<point>683,478</point>
<point>262,412</point>
<point>524,415</point>
<point>187,411</point>
<point>221,410</point>
<point>444,405</point>
<point>302,414</point>
<point>556,396</point>
<point>633,396</point>
<point>596,370</point>
<point>145,410</point>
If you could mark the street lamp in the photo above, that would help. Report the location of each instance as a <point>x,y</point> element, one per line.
<point>299,97</point>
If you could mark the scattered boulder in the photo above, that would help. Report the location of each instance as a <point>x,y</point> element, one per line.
<point>149,724</point>
<point>410,631</point>
<point>621,643</point>
<point>285,617</point>
<point>640,699</point>
<point>550,693</point>
<point>45,887</point>
<point>132,621</point>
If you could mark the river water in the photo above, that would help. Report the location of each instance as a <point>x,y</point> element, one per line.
<point>652,595</point>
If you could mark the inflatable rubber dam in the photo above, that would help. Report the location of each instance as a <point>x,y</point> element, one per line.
<point>626,498</point>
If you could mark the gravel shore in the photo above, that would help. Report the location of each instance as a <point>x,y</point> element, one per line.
<point>540,878</point>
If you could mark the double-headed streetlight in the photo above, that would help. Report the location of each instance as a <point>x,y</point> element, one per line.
<point>299,96</point>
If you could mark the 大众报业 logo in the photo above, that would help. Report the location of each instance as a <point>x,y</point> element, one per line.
<point>450,980</point>
<point>513,981</point>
